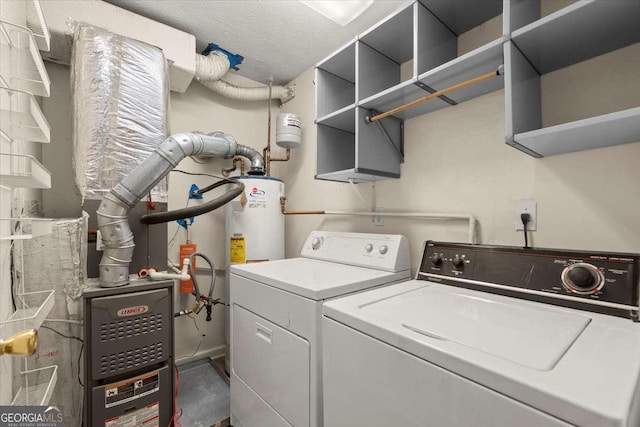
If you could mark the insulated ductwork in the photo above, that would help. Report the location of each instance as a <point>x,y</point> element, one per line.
<point>211,68</point>
<point>284,93</point>
<point>112,214</point>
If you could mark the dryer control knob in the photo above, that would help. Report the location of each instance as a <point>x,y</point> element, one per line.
<point>316,243</point>
<point>368,247</point>
<point>383,249</point>
<point>582,278</point>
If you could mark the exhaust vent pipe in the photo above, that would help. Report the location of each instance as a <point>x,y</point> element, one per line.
<point>115,206</point>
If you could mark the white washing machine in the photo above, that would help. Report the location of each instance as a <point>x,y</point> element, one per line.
<point>276,313</point>
<point>489,336</point>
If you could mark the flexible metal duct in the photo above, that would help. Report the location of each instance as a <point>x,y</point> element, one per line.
<point>112,214</point>
<point>211,68</point>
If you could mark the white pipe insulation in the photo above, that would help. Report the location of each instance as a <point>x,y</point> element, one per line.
<point>211,68</point>
<point>465,217</point>
<point>284,93</point>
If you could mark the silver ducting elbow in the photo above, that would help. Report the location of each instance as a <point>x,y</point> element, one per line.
<point>257,161</point>
<point>115,206</point>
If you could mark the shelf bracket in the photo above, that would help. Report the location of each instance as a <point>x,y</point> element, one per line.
<point>398,152</point>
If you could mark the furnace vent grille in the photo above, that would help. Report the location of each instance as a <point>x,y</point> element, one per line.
<point>128,328</point>
<point>124,360</point>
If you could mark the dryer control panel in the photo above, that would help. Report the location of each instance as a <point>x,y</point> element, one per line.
<point>388,252</point>
<point>595,281</point>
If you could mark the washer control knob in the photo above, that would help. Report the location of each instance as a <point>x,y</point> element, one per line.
<point>582,278</point>
<point>368,247</point>
<point>458,261</point>
<point>316,243</point>
<point>383,249</point>
<point>436,260</point>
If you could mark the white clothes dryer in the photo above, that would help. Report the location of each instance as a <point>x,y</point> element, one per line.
<point>489,336</point>
<point>276,312</point>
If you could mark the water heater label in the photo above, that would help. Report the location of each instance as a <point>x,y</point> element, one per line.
<point>149,416</point>
<point>237,250</point>
<point>132,389</point>
<point>257,198</point>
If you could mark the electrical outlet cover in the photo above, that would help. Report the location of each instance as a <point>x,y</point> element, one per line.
<point>378,220</point>
<point>526,206</point>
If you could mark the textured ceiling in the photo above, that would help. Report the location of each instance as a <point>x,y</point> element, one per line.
<point>281,38</point>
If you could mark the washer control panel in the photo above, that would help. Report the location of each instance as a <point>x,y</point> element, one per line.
<point>578,279</point>
<point>388,252</point>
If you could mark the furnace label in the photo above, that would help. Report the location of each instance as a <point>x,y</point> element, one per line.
<point>135,388</point>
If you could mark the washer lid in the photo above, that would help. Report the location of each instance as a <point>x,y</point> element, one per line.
<point>316,279</point>
<point>535,336</point>
<point>581,367</point>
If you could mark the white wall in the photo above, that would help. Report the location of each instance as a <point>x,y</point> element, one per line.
<point>457,161</point>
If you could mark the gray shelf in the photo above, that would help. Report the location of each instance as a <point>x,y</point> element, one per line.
<point>596,132</point>
<point>343,119</point>
<point>401,94</point>
<point>578,32</point>
<point>353,175</point>
<point>381,52</point>
<point>335,81</point>
<point>440,23</point>
<point>415,52</point>
<point>336,149</point>
<point>475,63</point>
<point>462,15</point>
<point>366,151</point>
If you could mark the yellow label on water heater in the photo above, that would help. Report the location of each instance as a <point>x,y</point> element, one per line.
<point>237,250</point>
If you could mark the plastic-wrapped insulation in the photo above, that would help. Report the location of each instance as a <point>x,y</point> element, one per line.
<point>57,261</point>
<point>120,108</point>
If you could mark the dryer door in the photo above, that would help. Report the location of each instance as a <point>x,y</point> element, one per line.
<point>274,363</point>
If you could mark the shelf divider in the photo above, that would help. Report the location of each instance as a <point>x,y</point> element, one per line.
<point>600,26</point>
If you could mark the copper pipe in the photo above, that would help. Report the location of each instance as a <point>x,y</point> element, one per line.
<point>286,212</point>
<point>455,87</point>
<point>227,171</point>
<point>286,158</point>
<point>266,152</point>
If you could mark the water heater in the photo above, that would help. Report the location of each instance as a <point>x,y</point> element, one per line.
<point>254,230</point>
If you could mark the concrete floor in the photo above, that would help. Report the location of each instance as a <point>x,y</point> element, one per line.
<point>203,395</point>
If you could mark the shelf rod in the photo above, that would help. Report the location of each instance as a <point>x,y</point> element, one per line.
<point>455,87</point>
